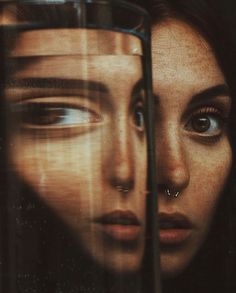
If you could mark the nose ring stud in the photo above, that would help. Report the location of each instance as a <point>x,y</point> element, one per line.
<point>122,189</point>
<point>171,193</point>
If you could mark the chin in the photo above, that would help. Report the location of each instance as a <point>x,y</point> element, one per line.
<point>123,265</point>
<point>173,265</point>
<point>119,263</point>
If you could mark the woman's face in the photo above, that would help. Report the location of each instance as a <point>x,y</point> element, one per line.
<point>193,150</point>
<point>78,140</point>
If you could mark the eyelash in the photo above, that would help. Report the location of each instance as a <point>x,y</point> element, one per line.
<point>210,113</point>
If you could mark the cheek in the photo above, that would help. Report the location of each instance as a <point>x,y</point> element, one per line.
<point>210,170</point>
<point>62,174</point>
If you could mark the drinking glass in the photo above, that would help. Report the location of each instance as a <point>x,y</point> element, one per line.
<point>77,148</point>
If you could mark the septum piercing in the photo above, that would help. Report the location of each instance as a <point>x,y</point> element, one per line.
<point>170,193</point>
<point>122,189</point>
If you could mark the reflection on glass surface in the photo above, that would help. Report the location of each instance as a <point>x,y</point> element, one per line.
<point>75,94</point>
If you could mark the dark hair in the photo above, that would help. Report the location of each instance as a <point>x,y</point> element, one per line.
<point>213,268</point>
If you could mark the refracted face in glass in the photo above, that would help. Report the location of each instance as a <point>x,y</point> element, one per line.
<point>78,139</point>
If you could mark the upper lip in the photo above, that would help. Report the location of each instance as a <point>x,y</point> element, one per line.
<point>119,217</point>
<point>174,221</point>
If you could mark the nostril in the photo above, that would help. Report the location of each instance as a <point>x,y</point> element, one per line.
<point>123,186</point>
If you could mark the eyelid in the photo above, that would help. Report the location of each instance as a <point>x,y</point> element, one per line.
<point>96,117</point>
<point>219,107</point>
<point>208,110</point>
<point>70,101</point>
<point>17,95</point>
<point>59,128</point>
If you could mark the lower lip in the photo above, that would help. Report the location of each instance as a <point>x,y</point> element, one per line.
<point>174,236</point>
<point>122,232</point>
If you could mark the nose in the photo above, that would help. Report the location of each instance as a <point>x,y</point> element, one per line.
<point>121,174</point>
<point>172,163</point>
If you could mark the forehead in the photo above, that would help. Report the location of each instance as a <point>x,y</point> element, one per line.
<point>111,59</point>
<point>181,50</point>
<point>83,41</point>
<point>177,38</point>
<point>76,52</point>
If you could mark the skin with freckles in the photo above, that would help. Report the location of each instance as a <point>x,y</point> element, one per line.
<point>57,125</point>
<point>77,136</point>
<point>193,151</point>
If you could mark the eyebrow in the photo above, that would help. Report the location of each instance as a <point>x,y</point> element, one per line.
<point>55,83</point>
<point>205,95</point>
<point>210,93</point>
<point>69,84</point>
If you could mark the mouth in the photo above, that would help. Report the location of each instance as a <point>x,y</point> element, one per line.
<point>175,229</point>
<point>120,225</point>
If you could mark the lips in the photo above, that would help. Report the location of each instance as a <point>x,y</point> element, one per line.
<point>175,229</point>
<point>120,225</point>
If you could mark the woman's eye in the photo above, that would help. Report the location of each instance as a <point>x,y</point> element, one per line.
<point>206,124</point>
<point>139,117</point>
<point>54,115</point>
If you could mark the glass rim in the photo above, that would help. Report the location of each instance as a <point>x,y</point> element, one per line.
<point>122,3</point>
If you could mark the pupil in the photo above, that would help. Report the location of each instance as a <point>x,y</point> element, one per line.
<point>201,124</point>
